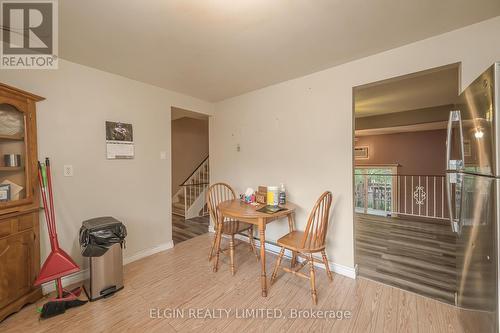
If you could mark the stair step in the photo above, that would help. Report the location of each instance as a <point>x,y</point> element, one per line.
<point>179,205</point>
<point>181,196</point>
<point>189,196</point>
<point>178,208</point>
<point>196,186</point>
<point>178,212</point>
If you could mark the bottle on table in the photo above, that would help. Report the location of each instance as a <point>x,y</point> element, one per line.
<point>282,195</point>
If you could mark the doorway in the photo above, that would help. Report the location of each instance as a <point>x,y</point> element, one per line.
<point>401,227</point>
<point>190,174</point>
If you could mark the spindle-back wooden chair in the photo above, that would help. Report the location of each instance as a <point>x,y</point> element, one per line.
<point>305,243</point>
<point>216,194</point>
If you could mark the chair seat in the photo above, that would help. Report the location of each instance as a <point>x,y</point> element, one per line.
<point>293,241</point>
<point>231,227</point>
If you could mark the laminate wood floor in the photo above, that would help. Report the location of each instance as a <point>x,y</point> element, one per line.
<point>410,254</point>
<point>183,230</point>
<point>182,278</point>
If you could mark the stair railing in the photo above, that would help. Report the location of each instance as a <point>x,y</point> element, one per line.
<point>399,195</point>
<point>194,188</point>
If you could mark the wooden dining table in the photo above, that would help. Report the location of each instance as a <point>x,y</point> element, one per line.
<point>241,211</point>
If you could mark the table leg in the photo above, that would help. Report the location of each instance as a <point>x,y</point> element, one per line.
<point>291,226</point>
<point>262,236</point>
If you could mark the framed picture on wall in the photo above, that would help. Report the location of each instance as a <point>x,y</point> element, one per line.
<point>361,153</point>
<point>119,140</point>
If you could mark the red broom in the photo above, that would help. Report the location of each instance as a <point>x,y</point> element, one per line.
<point>58,263</point>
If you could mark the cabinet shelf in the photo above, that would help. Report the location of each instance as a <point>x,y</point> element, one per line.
<point>4,168</point>
<point>16,137</point>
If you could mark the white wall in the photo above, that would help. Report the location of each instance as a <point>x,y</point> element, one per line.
<point>71,130</point>
<point>300,132</point>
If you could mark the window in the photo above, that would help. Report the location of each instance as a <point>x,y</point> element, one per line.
<point>374,189</point>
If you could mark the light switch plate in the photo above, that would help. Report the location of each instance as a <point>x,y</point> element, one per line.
<point>163,155</point>
<point>68,170</point>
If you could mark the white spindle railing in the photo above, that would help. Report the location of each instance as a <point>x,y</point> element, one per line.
<point>194,191</point>
<point>392,195</point>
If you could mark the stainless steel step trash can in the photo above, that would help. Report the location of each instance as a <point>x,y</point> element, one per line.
<point>102,240</point>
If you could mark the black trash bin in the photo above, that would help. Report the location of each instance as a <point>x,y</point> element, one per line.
<point>102,240</point>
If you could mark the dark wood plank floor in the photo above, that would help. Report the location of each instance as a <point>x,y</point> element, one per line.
<point>186,229</point>
<point>409,254</point>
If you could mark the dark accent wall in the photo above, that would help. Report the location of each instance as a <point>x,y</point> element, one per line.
<point>418,153</point>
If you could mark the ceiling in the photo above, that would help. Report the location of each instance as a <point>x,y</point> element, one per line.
<point>421,90</point>
<point>215,49</point>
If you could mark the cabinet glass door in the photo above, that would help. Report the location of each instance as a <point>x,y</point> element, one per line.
<point>14,181</point>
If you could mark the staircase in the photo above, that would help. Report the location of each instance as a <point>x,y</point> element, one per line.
<point>189,201</point>
<point>178,208</point>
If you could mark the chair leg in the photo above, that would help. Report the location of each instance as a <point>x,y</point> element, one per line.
<point>252,242</point>
<point>218,237</point>
<point>231,253</point>
<point>277,266</point>
<point>293,262</point>
<point>313,280</point>
<point>211,254</point>
<point>327,267</point>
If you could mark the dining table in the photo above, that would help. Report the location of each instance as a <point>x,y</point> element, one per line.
<point>245,212</point>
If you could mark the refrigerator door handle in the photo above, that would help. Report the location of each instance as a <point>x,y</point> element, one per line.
<point>455,116</point>
<point>448,140</point>
<point>453,165</point>
<point>451,211</point>
<point>461,162</point>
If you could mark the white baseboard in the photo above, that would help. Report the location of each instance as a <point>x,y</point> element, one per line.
<point>349,272</point>
<point>148,252</point>
<point>84,274</point>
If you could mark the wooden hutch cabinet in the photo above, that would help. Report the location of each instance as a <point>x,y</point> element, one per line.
<point>19,200</point>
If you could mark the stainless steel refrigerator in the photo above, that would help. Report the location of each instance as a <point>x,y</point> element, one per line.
<point>473,192</point>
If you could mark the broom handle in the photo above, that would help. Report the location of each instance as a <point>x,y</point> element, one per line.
<point>60,290</point>
<point>44,198</point>
<point>45,210</point>
<point>51,202</point>
<point>51,198</point>
<point>45,182</point>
